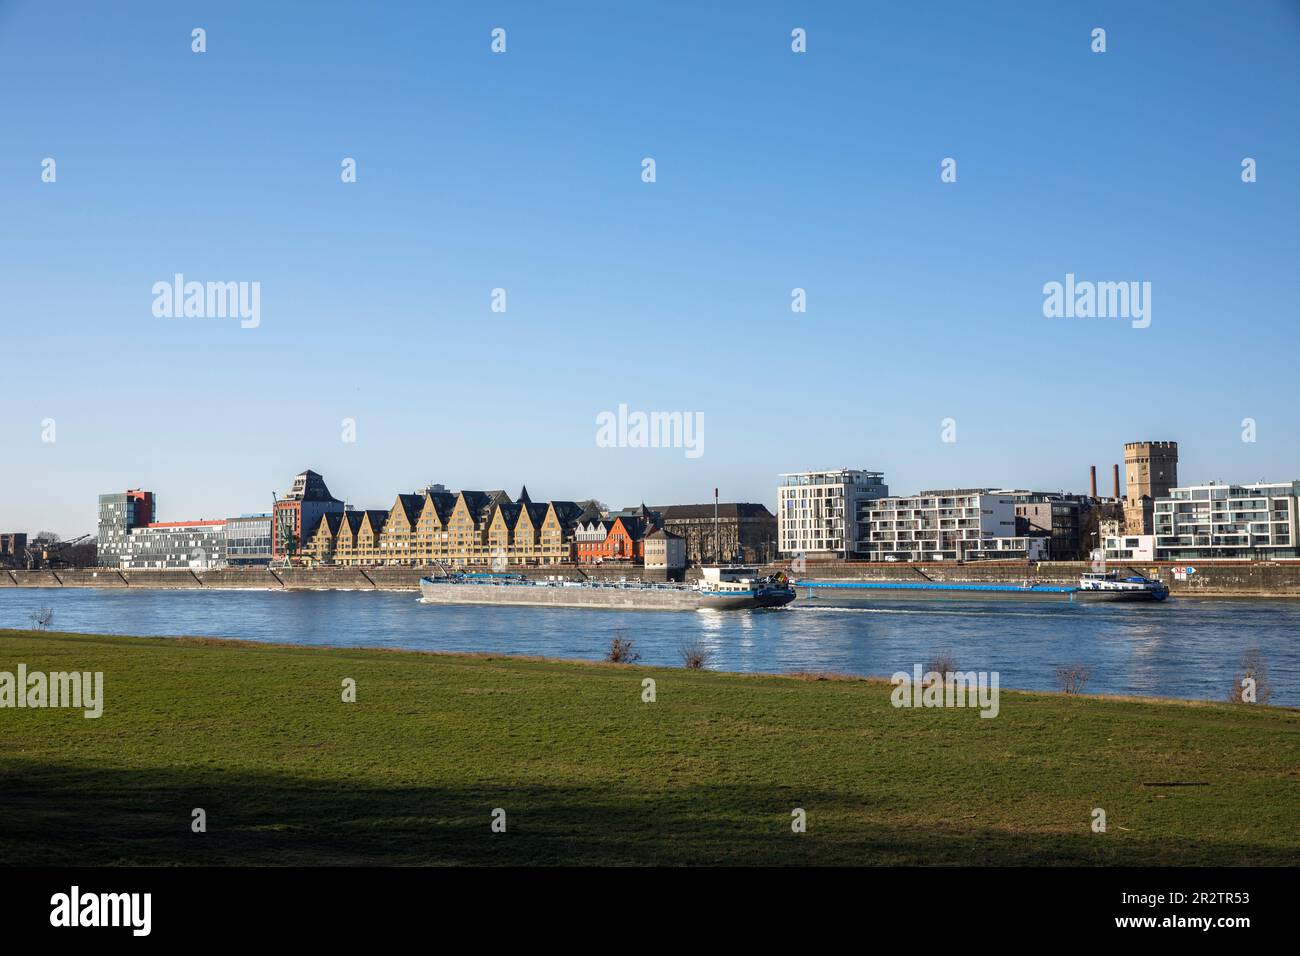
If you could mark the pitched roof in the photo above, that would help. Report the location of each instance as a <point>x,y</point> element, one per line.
<point>411,505</point>
<point>523,496</point>
<point>567,511</point>
<point>663,533</point>
<point>735,509</point>
<point>443,502</point>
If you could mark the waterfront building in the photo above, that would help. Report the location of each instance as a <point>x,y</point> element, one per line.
<point>13,549</point>
<point>816,510</point>
<point>618,536</point>
<point>745,531</point>
<point>248,539</point>
<point>296,515</point>
<point>466,529</point>
<point>1130,547</point>
<point>319,548</point>
<point>400,530</point>
<point>119,514</point>
<point>1053,515</point>
<point>954,525</point>
<point>665,552</point>
<point>1255,521</point>
<point>197,545</point>
<point>1151,471</point>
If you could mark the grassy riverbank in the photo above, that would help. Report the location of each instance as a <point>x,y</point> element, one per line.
<point>258,736</point>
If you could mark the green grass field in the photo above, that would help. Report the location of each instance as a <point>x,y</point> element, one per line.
<point>258,736</point>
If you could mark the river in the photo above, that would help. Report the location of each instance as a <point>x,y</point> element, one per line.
<point>1189,648</point>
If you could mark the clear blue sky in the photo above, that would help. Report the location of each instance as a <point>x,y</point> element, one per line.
<point>523,171</point>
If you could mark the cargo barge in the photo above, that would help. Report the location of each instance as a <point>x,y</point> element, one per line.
<point>1098,587</point>
<point>721,589</point>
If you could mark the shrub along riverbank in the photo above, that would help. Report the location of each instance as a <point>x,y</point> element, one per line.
<point>587,772</point>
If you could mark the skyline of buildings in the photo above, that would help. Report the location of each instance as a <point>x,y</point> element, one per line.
<point>844,513</point>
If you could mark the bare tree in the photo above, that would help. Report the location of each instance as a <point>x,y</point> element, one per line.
<point>1073,678</point>
<point>695,656</point>
<point>42,617</point>
<point>942,662</point>
<point>1252,686</point>
<point>621,651</point>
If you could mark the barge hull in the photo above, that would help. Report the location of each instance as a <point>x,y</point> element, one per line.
<point>617,599</point>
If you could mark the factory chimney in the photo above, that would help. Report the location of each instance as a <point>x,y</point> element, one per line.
<point>1116,473</point>
<point>1092,480</point>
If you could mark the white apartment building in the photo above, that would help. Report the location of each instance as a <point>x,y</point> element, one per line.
<point>1129,547</point>
<point>957,525</point>
<point>816,510</point>
<point>1227,521</point>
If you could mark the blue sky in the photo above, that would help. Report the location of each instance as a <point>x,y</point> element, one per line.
<point>522,170</point>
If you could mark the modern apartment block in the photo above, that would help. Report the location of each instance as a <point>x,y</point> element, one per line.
<point>816,510</point>
<point>1256,521</point>
<point>956,525</point>
<point>1151,471</point>
<point>1129,547</point>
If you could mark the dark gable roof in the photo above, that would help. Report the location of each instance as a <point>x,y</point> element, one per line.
<point>567,511</point>
<point>661,533</point>
<point>523,496</point>
<point>443,502</point>
<point>331,520</point>
<point>536,513</point>
<point>477,502</point>
<point>354,520</point>
<point>735,509</point>
<point>507,508</point>
<point>411,504</point>
<point>377,519</point>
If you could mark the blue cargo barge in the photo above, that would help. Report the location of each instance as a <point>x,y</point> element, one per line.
<point>1094,587</point>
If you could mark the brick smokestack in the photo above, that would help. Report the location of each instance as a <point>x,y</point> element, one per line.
<point>1116,473</point>
<point>1092,480</point>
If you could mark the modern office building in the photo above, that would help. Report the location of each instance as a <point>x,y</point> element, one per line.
<point>197,545</point>
<point>1151,470</point>
<point>816,510</point>
<point>248,539</point>
<point>129,537</point>
<point>119,515</point>
<point>955,525</point>
<point>1256,521</point>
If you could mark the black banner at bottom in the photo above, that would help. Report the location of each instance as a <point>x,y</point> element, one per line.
<point>337,904</point>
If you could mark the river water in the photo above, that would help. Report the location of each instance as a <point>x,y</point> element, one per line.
<point>1182,648</point>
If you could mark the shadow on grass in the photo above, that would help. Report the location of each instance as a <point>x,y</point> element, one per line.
<point>65,815</point>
